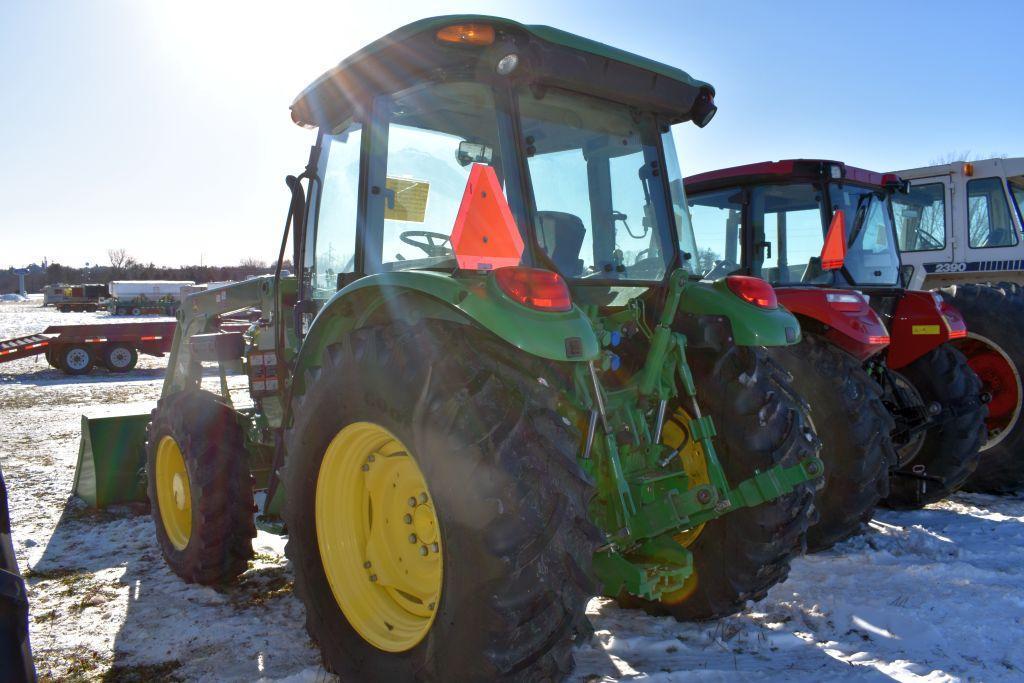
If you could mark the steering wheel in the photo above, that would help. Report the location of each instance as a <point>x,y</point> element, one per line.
<point>432,243</point>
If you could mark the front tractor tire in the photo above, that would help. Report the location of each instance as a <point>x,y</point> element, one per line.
<point>995,351</point>
<point>760,423</point>
<point>200,488</point>
<point>949,452</point>
<point>437,515</point>
<point>853,424</point>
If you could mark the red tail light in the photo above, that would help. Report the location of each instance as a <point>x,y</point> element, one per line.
<point>536,288</point>
<point>753,290</point>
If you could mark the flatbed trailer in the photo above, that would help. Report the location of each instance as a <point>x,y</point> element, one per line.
<point>77,349</point>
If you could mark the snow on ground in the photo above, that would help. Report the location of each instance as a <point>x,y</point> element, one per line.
<point>933,595</point>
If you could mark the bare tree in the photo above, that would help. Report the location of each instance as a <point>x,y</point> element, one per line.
<point>966,155</point>
<point>252,263</point>
<point>119,259</point>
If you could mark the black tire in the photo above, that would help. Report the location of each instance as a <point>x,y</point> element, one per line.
<point>950,450</point>
<point>853,424</point>
<point>76,360</point>
<point>52,359</point>
<point>511,503</point>
<point>995,325</point>
<point>120,357</point>
<point>213,448</point>
<point>760,423</point>
<point>136,311</point>
<point>15,652</point>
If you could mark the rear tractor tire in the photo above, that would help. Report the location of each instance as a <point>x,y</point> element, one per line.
<point>437,515</point>
<point>949,451</point>
<point>994,348</point>
<point>853,424</point>
<point>200,488</point>
<point>760,423</point>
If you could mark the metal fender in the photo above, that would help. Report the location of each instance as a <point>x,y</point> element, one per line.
<point>419,295</point>
<point>750,325</point>
<point>842,316</point>
<point>922,322</point>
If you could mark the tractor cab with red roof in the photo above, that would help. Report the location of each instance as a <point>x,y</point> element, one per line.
<point>822,233</point>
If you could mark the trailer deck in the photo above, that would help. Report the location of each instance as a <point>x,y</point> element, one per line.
<point>77,349</point>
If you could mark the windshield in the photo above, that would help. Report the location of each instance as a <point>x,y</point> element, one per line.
<point>600,209</point>
<point>871,257</point>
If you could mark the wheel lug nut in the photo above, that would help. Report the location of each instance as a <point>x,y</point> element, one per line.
<point>435,547</point>
<point>423,550</point>
<point>407,519</point>
<point>423,497</point>
<point>370,458</point>
<point>412,502</point>
<point>366,468</point>
<point>412,538</point>
<point>373,577</point>
<point>367,565</point>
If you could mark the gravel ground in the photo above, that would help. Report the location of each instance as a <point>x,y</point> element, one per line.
<point>933,595</point>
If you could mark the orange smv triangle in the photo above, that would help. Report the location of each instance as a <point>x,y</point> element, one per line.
<point>833,253</point>
<point>485,236</point>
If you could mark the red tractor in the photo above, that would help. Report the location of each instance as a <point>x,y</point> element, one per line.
<point>900,412</point>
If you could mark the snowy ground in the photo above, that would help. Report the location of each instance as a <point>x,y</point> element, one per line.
<point>935,595</point>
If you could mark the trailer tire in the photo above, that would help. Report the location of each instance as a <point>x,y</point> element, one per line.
<point>136,311</point>
<point>741,555</point>
<point>854,426</point>
<point>950,450</point>
<point>204,519</point>
<point>120,357</point>
<point>76,359</point>
<point>507,494</point>
<point>995,351</point>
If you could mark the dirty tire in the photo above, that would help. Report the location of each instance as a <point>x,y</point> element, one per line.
<point>997,314</point>
<point>213,448</point>
<point>120,358</point>
<point>950,450</point>
<point>510,498</point>
<point>853,425</point>
<point>760,423</point>
<point>76,360</point>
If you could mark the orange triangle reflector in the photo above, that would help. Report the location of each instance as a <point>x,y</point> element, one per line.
<point>833,253</point>
<point>485,236</point>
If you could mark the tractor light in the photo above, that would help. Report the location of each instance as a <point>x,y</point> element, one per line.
<point>467,34</point>
<point>753,290</point>
<point>542,290</point>
<point>884,339</point>
<point>847,302</point>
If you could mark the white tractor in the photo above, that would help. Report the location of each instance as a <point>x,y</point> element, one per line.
<point>959,228</point>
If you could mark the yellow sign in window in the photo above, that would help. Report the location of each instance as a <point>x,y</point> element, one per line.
<point>924,329</point>
<point>406,200</point>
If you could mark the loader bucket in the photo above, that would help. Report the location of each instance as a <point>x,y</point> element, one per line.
<point>110,460</point>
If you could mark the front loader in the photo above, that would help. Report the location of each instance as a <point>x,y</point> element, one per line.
<point>487,394</point>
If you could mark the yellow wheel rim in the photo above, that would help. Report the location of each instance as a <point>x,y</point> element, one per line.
<point>378,536</point>
<point>675,435</point>
<point>173,493</point>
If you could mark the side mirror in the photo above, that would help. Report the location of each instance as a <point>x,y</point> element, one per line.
<point>833,252</point>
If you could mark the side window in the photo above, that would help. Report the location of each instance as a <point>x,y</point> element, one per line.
<point>788,235</point>
<point>1016,184</point>
<point>334,216</point>
<point>562,194</point>
<point>988,214</point>
<point>717,222</point>
<point>921,217</point>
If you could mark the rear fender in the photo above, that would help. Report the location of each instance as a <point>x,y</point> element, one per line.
<point>749,325</point>
<point>858,331</point>
<point>412,296</point>
<point>922,322</point>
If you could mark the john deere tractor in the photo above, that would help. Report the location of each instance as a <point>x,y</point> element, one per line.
<point>487,393</point>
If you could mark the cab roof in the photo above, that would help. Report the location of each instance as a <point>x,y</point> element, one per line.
<point>786,169</point>
<point>367,68</point>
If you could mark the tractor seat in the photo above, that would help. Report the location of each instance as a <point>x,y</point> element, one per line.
<point>561,235</point>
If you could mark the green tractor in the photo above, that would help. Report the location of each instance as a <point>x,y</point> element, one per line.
<point>486,394</point>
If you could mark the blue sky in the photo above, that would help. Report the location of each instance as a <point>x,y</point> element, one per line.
<point>163,127</point>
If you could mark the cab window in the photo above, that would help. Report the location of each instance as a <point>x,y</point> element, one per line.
<point>717,227</point>
<point>333,217</point>
<point>921,217</point>
<point>988,214</point>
